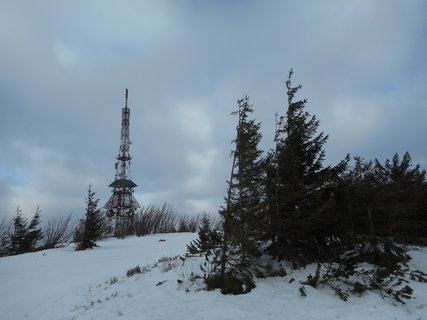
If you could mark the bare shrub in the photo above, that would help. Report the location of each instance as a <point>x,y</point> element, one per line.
<point>5,230</point>
<point>166,264</point>
<point>188,223</point>
<point>107,229</point>
<point>58,232</point>
<point>151,219</point>
<point>123,228</point>
<point>215,222</point>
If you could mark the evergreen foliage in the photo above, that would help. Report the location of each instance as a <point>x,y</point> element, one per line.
<point>298,180</point>
<point>209,239</point>
<point>402,199</point>
<point>18,236</point>
<point>233,252</point>
<point>290,206</point>
<point>243,219</point>
<point>24,237</point>
<point>34,233</point>
<point>377,207</point>
<point>90,228</point>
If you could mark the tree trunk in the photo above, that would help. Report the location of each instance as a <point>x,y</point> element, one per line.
<point>371,223</point>
<point>225,224</point>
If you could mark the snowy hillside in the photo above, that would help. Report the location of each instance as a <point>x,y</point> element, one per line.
<point>65,284</point>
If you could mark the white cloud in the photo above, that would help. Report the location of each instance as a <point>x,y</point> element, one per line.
<point>356,121</point>
<point>199,205</point>
<point>66,57</point>
<point>193,120</point>
<point>200,182</point>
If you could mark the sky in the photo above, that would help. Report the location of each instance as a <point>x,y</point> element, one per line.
<point>64,67</point>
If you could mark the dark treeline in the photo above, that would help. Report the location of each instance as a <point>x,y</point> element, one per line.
<point>19,235</point>
<point>286,204</point>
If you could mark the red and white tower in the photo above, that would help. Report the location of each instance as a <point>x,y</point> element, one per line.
<point>122,203</point>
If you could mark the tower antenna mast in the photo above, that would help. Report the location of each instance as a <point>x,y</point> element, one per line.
<point>122,203</point>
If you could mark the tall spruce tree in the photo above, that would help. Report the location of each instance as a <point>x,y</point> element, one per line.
<point>299,177</point>
<point>243,213</point>
<point>91,224</point>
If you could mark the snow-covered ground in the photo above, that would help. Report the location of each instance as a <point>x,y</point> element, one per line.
<point>65,284</point>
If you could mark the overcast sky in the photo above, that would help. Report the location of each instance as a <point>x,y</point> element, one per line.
<point>64,67</point>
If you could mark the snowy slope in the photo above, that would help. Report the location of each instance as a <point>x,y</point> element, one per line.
<point>64,284</point>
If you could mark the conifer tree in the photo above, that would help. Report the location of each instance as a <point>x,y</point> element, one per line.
<point>92,223</point>
<point>244,215</point>
<point>208,239</point>
<point>300,175</point>
<point>386,200</point>
<point>290,205</point>
<point>402,207</point>
<point>25,237</point>
<point>363,197</point>
<point>34,234</point>
<point>19,232</point>
<point>271,185</point>
<point>367,219</point>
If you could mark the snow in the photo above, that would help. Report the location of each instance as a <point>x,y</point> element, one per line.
<point>69,285</point>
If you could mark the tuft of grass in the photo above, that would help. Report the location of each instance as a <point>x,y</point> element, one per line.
<point>166,264</point>
<point>131,272</point>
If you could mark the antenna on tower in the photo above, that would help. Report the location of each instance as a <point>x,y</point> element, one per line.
<point>122,203</point>
<point>126,103</point>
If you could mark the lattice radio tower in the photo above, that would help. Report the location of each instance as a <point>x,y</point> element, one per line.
<point>122,204</point>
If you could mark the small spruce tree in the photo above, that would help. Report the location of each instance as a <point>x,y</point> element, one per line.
<point>34,234</point>
<point>19,232</point>
<point>208,239</point>
<point>91,224</point>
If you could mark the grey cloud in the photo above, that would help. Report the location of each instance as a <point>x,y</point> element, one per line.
<point>65,66</point>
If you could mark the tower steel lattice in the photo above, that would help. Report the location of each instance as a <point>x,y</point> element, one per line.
<point>122,203</point>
